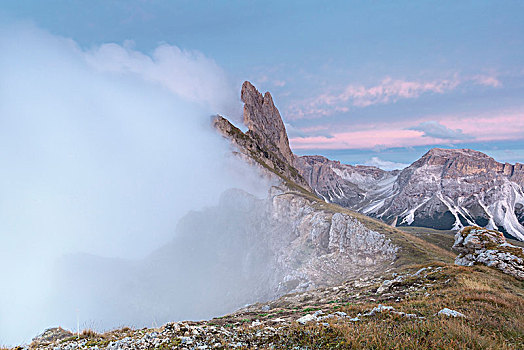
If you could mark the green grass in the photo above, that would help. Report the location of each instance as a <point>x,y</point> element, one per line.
<point>441,238</point>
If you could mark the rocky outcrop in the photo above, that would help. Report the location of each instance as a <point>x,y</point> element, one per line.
<point>323,247</point>
<point>285,243</point>
<point>253,150</point>
<point>312,246</point>
<point>481,246</point>
<point>51,335</point>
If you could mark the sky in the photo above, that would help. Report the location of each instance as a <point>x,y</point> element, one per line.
<point>363,82</point>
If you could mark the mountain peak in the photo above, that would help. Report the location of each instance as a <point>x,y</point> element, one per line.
<point>455,152</point>
<point>264,121</point>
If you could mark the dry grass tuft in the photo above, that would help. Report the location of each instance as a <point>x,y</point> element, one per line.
<point>475,285</point>
<point>89,334</point>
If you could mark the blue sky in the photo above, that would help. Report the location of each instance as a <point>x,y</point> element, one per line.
<point>359,81</point>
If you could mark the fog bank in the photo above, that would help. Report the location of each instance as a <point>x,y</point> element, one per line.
<point>102,151</point>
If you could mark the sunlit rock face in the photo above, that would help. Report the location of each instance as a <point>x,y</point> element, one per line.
<point>480,246</point>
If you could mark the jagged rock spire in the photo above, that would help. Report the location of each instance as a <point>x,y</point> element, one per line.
<point>264,121</point>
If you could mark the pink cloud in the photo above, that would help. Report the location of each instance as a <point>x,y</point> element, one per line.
<point>387,91</point>
<point>503,125</point>
<point>487,80</point>
<point>390,90</point>
<point>360,139</point>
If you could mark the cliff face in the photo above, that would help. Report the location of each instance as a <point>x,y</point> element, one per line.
<point>306,245</point>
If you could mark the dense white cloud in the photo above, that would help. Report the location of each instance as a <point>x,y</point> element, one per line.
<point>188,74</point>
<point>102,151</point>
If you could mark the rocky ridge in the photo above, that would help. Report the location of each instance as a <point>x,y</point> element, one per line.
<point>266,141</point>
<point>346,185</point>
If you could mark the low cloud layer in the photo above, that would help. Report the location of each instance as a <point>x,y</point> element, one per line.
<point>385,164</point>
<point>102,151</point>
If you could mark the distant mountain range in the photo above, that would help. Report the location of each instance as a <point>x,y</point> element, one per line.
<point>444,189</point>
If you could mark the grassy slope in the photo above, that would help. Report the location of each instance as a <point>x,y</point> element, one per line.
<point>492,302</point>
